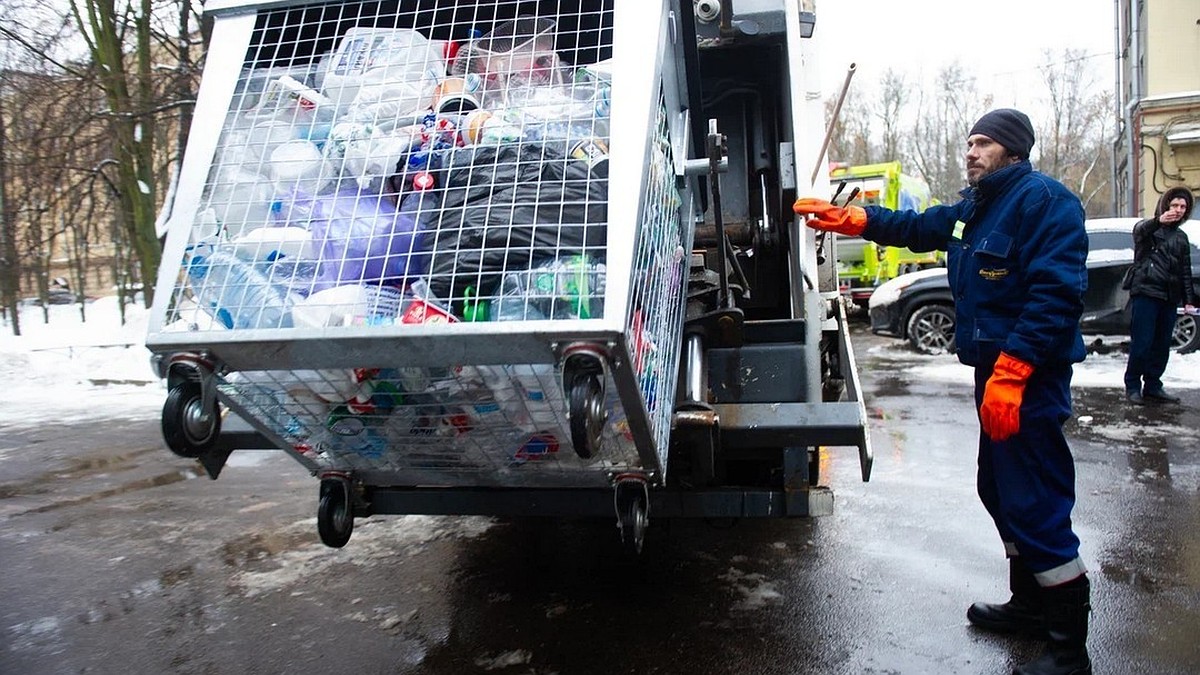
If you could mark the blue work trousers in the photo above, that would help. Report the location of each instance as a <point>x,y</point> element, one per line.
<point>1150,328</point>
<point>1027,482</point>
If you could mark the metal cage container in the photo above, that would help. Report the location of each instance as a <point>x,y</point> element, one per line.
<point>440,244</point>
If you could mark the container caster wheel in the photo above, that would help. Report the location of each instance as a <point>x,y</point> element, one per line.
<point>188,427</point>
<point>335,517</point>
<point>587,415</point>
<point>633,514</point>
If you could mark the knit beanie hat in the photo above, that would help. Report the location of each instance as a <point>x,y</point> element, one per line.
<point>1008,127</point>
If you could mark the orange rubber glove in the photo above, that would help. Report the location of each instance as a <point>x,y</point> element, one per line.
<point>1000,414</point>
<point>848,220</point>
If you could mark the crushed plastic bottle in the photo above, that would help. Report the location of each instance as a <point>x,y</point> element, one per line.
<point>239,200</point>
<point>513,301</point>
<point>566,288</point>
<point>237,293</point>
<point>484,127</point>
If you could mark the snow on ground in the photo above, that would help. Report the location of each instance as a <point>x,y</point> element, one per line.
<point>101,368</point>
<point>98,369</point>
<point>1097,370</point>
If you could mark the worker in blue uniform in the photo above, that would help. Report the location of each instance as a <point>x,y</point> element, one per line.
<point>1016,252</point>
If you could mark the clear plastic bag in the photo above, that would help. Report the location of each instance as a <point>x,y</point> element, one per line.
<point>382,75</point>
<point>361,237</point>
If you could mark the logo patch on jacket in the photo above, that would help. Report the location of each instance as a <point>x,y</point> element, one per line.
<point>993,273</point>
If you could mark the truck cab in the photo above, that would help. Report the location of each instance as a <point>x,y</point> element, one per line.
<point>864,265</point>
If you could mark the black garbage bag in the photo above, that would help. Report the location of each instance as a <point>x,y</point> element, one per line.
<point>507,207</point>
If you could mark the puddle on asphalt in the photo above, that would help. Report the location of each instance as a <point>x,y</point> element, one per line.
<point>125,488</point>
<point>891,385</point>
<point>1129,577</point>
<point>78,468</point>
<point>262,546</point>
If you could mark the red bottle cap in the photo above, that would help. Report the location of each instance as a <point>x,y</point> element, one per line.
<point>423,180</point>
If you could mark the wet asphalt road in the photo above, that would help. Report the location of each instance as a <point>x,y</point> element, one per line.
<point>118,558</point>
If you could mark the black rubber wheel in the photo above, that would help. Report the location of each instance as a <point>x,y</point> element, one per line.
<point>587,415</point>
<point>633,526</point>
<point>187,427</point>
<point>930,329</point>
<point>335,519</point>
<point>1185,339</point>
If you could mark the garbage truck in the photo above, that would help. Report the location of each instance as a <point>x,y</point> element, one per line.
<point>863,265</point>
<point>516,259</point>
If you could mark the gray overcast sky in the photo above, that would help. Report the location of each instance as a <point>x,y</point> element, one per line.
<point>1001,43</point>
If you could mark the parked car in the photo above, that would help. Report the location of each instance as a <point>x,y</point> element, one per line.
<point>919,307</point>
<point>58,293</point>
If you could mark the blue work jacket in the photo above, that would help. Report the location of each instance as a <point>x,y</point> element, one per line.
<point>1016,250</point>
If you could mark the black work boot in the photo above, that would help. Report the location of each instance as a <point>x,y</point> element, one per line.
<point>1067,608</point>
<point>1022,614</point>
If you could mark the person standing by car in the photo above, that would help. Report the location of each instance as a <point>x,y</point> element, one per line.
<point>1016,253</point>
<point>1161,278</point>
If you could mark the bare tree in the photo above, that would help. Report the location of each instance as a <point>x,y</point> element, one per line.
<point>118,38</point>
<point>142,57</point>
<point>10,273</point>
<point>851,142</point>
<point>1073,139</point>
<point>943,119</point>
<point>27,27</point>
<point>892,98</point>
<point>870,127</point>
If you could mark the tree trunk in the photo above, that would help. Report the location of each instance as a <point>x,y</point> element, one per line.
<point>10,272</point>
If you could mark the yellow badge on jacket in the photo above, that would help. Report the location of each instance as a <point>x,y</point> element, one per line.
<point>993,274</point>
<point>959,226</point>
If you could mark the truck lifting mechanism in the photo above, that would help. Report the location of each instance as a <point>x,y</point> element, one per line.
<point>463,257</point>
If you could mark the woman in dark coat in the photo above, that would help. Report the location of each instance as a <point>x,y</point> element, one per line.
<point>1162,277</point>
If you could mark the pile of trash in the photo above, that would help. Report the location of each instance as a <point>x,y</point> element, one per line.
<point>477,169</point>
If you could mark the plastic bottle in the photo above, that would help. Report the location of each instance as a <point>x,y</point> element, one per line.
<point>503,413</point>
<point>238,294</point>
<point>368,57</point>
<point>295,275</point>
<point>356,433</point>
<point>420,209</point>
<point>486,128</point>
<point>566,288</point>
<point>240,200</point>
<point>541,397</point>
<point>545,404</point>
<point>513,302</point>
<point>583,140</point>
<point>577,283</point>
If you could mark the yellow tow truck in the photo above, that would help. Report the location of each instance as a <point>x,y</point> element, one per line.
<point>863,265</point>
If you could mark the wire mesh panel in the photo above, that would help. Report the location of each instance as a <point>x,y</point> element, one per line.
<point>366,152</point>
<point>384,168</point>
<point>656,319</point>
<point>472,425</point>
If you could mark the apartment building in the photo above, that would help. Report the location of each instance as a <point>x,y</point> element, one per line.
<point>1158,101</point>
